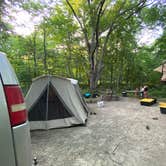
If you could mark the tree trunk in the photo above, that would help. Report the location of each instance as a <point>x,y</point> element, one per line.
<point>95,72</point>
<point>34,55</point>
<point>69,56</point>
<point>92,81</point>
<point>45,51</point>
<point>120,72</point>
<point>111,74</point>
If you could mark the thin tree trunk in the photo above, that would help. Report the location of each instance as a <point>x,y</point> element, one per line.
<point>112,74</point>
<point>120,71</point>
<point>34,55</point>
<point>69,56</point>
<point>45,50</point>
<point>94,72</point>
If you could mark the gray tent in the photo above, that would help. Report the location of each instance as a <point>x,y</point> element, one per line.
<point>77,89</point>
<point>54,102</point>
<point>162,69</point>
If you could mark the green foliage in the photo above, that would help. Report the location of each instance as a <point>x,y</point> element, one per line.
<point>158,91</point>
<point>125,65</point>
<point>160,48</point>
<point>32,6</point>
<point>150,15</point>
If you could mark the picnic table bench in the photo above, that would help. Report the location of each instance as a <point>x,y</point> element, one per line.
<point>137,93</point>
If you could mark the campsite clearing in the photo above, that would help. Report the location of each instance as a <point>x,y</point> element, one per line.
<point>122,133</point>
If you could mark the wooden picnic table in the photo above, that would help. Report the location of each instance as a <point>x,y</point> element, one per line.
<point>137,93</point>
<point>131,91</point>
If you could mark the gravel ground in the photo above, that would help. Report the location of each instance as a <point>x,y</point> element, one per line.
<point>122,133</point>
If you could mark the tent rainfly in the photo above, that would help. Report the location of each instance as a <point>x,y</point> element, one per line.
<point>55,102</point>
<point>162,69</point>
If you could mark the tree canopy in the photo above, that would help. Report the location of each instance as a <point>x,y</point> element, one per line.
<point>93,41</point>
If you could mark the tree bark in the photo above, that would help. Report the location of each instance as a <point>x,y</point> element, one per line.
<point>34,54</point>
<point>69,56</point>
<point>45,50</point>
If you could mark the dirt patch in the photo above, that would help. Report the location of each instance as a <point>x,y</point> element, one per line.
<point>116,135</point>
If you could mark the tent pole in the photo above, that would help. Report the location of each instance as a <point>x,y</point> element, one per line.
<point>47,103</point>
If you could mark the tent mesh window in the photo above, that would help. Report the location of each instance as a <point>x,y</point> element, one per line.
<point>38,111</point>
<point>56,109</point>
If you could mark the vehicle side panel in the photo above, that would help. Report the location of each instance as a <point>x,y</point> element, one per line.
<point>7,72</point>
<point>7,156</point>
<point>20,148</point>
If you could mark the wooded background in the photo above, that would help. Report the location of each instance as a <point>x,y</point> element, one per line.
<point>94,41</point>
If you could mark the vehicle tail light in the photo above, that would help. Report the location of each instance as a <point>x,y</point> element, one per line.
<point>16,105</point>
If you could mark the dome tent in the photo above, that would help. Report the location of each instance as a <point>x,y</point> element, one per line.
<point>53,102</point>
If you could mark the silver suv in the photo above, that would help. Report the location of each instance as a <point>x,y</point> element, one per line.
<point>15,145</point>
